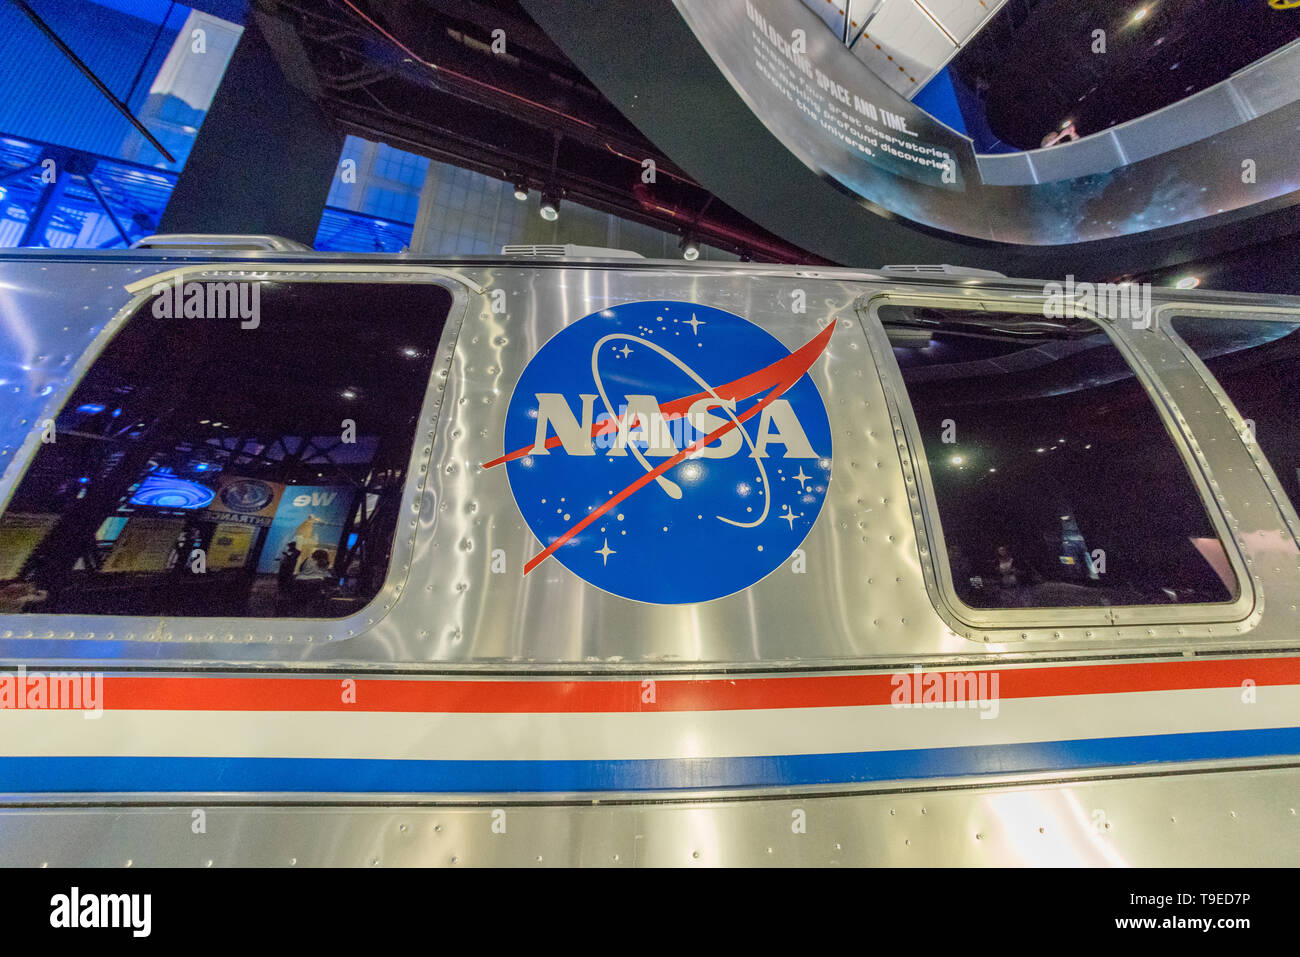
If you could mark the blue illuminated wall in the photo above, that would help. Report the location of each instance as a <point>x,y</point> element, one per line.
<point>374,199</point>
<point>107,185</point>
<point>47,99</point>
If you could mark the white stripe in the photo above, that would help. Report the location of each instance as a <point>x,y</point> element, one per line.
<point>487,737</point>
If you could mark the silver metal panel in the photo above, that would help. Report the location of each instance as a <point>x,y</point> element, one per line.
<point>1209,112</point>
<point>1270,82</point>
<point>1032,624</point>
<point>864,600</point>
<point>1204,413</point>
<point>219,240</point>
<point>92,628</point>
<point>1005,169</point>
<point>1091,154</point>
<point>867,602</point>
<point>1242,818</point>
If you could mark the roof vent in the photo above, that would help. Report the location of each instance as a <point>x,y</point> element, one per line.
<point>567,251</point>
<point>940,269</point>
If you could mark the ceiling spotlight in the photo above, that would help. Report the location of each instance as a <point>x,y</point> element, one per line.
<point>521,191</point>
<point>690,249</point>
<point>550,208</point>
<point>1188,282</point>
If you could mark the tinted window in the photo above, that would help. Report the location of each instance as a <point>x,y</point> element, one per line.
<point>1056,481</point>
<point>1258,366</point>
<point>195,450</point>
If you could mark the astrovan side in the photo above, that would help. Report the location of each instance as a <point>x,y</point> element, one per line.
<point>607,561</point>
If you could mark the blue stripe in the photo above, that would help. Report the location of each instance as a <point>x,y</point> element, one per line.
<point>366,775</point>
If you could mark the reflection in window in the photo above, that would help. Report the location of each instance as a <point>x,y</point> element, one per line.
<point>1258,366</point>
<point>1056,481</point>
<point>229,466</point>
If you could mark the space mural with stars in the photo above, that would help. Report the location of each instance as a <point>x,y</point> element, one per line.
<point>708,525</point>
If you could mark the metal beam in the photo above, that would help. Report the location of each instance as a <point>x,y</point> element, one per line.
<point>89,74</point>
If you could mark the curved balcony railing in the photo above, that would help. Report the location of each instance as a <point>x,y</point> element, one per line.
<point>1266,85</point>
<point>1228,148</point>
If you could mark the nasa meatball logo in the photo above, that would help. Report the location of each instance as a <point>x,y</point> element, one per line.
<point>247,495</point>
<point>668,452</point>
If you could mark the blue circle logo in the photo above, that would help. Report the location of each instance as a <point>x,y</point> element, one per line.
<point>247,495</point>
<point>668,452</point>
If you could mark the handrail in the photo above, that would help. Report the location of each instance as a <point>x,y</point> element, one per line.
<point>220,241</point>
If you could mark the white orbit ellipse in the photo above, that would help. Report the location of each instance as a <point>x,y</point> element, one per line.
<point>671,488</point>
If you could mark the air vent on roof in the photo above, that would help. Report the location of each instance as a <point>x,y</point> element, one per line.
<point>938,269</point>
<point>567,251</point>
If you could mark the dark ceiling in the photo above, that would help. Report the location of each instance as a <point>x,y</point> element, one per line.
<point>1034,65</point>
<point>422,75</point>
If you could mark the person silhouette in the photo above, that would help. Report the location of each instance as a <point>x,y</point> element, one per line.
<point>1008,573</point>
<point>1011,579</point>
<point>288,565</point>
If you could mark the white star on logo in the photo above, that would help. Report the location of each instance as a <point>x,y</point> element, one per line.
<point>605,551</point>
<point>695,324</point>
<point>625,350</point>
<point>801,477</point>
<point>789,515</point>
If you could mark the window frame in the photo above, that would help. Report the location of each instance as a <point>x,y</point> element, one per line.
<point>179,630</point>
<point>924,507</point>
<point>1163,319</point>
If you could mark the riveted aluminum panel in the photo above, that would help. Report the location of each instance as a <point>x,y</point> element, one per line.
<point>863,599</point>
<point>866,602</point>
<point>1200,819</point>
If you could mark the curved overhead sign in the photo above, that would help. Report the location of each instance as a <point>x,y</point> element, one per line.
<point>824,105</point>
<point>848,126</point>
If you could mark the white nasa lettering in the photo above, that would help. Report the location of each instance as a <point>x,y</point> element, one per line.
<point>553,410</point>
<point>705,423</point>
<point>643,421</point>
<point>788,432</point>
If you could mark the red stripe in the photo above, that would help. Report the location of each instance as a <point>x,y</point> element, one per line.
<point>542,696</point>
